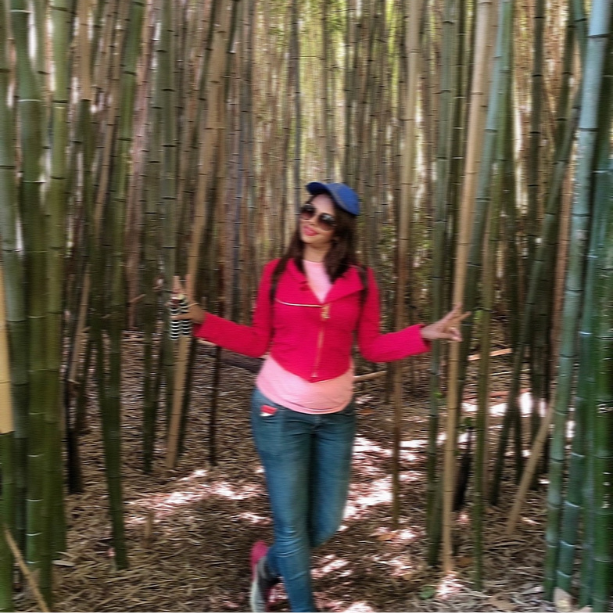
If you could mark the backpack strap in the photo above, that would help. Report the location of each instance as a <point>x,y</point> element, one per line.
<point>276,275</point>
<point>363,272</point>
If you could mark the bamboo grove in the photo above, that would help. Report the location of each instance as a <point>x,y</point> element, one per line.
<point>145,139</point>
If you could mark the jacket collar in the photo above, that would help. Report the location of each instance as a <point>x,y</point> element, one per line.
<point>349,283</point>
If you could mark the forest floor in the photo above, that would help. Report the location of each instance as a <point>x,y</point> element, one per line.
<point>203,520</point>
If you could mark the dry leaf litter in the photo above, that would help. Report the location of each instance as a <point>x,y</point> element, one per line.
<point>189,532</point>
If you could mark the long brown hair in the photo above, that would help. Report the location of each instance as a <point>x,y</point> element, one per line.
<point>339,258</point>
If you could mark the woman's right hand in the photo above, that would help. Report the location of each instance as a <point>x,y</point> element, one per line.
<point>195,312</point>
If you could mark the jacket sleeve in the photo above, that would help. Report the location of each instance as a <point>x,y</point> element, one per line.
<point>253,340</point>
<point>377,347</point>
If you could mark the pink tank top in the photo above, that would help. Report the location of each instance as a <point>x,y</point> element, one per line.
<point>293,392</point>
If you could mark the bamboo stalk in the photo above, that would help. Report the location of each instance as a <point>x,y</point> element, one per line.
<point>213,132</point>
<point>414,11</point>
<point>466,208</point>
<point>581,215</point>
<point>25,570</point>
<point>446,133</point>
<point>7,497</point>
<point>497,123</point>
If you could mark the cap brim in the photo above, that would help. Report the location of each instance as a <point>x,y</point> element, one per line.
<point>315,187</point>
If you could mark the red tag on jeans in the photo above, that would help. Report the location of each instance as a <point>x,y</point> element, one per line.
<point>266,410</point>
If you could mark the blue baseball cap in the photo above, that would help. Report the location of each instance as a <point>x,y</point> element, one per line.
<point>343,195</point>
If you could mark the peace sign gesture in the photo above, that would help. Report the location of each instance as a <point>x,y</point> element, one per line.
<point>446,328</point>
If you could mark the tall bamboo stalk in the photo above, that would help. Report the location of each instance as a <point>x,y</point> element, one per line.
<point>602,450</point>
<point>111,409</point>
<point>597,492</point>
<point>573,502</point>
<point>480,70</point>
<point>295,66</point>
<point>7,441</point>
<point>56,216</point>
<point>212,133</point>
<point>10,219</point>
<point>414,12</point>
<point>538,338</point>
<point>31,114</point>
<point>581,215</point>
<point>8,502</point>
<point>497,123</point>
<point>546,251</point>
<point>150,241</point>
<point>439,250</point>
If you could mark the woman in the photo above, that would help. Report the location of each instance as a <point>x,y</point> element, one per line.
<point>310,304</point>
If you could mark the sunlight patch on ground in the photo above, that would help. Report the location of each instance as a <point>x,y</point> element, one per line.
<point>362,497</point>
<point>254,518</point>
<point>402,567</point>
<point>496,410</point>
<point>192,492</point>
<point>358,607</point>
<point>449,586</point>
<point>364,445</point>
<point>400,536</point>
<point>414,444</point>
<point>463,519</point>
<point>331,564</point>
<point>368,456</point>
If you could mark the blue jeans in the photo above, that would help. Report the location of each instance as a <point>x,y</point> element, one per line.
<point>307,463</point>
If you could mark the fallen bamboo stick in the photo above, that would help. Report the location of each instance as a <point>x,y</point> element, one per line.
<point>526,479</point>
<point>24,569</point>
<point>382,373</point>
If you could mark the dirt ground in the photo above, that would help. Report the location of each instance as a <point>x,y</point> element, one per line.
<point>203,520</point>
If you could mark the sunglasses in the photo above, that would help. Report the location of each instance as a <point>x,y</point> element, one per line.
<point>325,221</point>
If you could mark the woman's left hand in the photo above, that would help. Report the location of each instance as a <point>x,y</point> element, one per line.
<point>446,328</point>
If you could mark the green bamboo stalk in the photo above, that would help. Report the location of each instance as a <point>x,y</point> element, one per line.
<point>213,135</point>
<point>602,451</point>
<point>483,27</point>
<point>13,440</point>
<point>462,71</point>
<point>439,248</point>
<point>297,96</point>
<point>111,416</point>
<point>150,255</point>
<point>166,94</point>
<point>405,222</point>
<point>597,563</point>
<point>580,223</point>
<point>7,445</point>
<point>84,146</point>
<point>580,21</point>
<point>31,113</point>
<point>328,89</point>
<point>56,219</point>
<point>253,213</point>
<point>498,112</point>
<point>565,138</point>
<point>538,337</point>
<point>573,502</point>
<point>349,74</point>
<point>536,105</point>
<point>496,99</point>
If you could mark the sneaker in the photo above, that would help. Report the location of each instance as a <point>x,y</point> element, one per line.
<point>262,580</point>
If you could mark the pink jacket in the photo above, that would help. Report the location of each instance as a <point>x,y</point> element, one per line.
<point>307,337</point>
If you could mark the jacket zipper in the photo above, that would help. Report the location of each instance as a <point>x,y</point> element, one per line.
<point>316,306</point>
<point>325,315</point>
